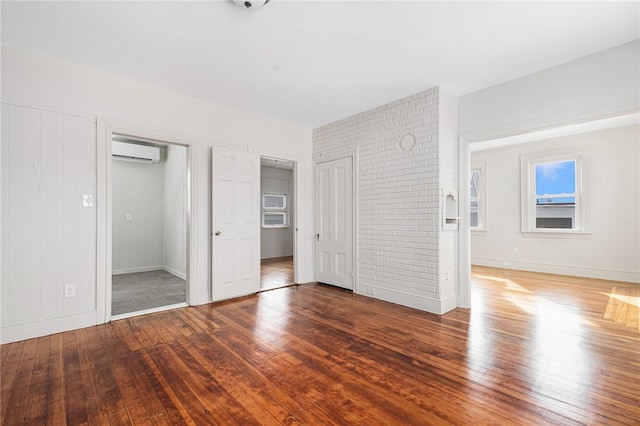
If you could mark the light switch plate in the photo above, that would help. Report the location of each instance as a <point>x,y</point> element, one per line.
<point>87,200</point>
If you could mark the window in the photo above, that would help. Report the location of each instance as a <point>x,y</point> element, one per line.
<point>478,196</point>
<point>274,201</point>
<point>554,191</point>
<point>274,219</point>
<point>274,211</point>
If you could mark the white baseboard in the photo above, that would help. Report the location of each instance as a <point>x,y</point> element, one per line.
<point>423,303</point>
<point>175,272</point>
<point>550,268</point>
<point>45,327</point>
<point>137,269</point>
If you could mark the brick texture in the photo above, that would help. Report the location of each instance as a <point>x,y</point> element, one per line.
<point>399,234</point>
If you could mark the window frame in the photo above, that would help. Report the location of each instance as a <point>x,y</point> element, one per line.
<point>269,194</point>
<point>283,211</point>
<point>274,212</point>
<point>528,162</point>
<point>482,198</point>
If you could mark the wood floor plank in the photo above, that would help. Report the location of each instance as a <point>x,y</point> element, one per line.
<point>9,369</point>
<point>633,302</point>
<point>95,360</point>
<point>255,392</point>
<point>171,397</point>
<point>321,376</point>
<point>75,402</point>
<point>56,409</point>
<point>535,349</point>
<point>16,408</point>
<point>37,400</point>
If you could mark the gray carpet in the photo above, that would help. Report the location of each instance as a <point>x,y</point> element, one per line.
<point>146,290</point>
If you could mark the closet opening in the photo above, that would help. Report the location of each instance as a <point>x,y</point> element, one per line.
<point>278,223</point>
<point>149,216</point>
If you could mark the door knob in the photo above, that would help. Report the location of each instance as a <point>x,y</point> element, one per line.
<point>218,233</point>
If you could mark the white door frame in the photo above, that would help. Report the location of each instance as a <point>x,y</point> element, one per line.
<point>354,212</point>
<point>106,130</point>
<point>464,232</point>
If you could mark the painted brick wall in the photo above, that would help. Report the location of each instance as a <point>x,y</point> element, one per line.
<point>398,197</point>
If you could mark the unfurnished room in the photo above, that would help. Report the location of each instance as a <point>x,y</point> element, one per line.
<point>320,212</point>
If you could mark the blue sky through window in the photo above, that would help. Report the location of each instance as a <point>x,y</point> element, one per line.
<point>556,178</point>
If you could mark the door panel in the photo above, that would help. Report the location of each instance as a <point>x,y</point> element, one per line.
<point>334,223</point>
<point>235,223</point>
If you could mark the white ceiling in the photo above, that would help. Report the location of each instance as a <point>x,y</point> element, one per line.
<point>317,62</point>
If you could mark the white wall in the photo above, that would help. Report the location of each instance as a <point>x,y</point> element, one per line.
<point>277,242</point>
<point>174,223</point>
<point>48,164</point>
<point>398,201</point>
<point>138,190</point>
<point>53,85</point>
<point>600,85</point>
<point>612,251</point>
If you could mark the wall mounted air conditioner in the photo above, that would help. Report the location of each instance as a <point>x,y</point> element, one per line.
<point>133,152</point>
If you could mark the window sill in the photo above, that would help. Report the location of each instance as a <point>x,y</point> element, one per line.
<point>556,234</point>
<point>478,231</point>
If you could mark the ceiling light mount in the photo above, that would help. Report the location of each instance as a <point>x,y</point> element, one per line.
<point>251,4</point>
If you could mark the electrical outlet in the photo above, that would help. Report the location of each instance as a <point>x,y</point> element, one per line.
<point>371,292</point>
<point>507,264</point>
<point>128,217</point>
<point>70,290</point>
<point>515,250</point>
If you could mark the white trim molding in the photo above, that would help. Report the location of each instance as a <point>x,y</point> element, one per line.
<point>423,303</point>
<point>552,268</point>
<point>28,330</point>
<point>106,129</point>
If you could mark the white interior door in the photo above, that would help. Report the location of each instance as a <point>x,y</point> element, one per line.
<point>334,223</point>
<point>235,223</point>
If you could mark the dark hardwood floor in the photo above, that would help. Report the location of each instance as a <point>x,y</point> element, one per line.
<point>534,349</point>
<point>276,272</point>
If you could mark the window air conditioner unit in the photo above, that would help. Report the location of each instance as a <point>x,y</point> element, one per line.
<point>133,152</point>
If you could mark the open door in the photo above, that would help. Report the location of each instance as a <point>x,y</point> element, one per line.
<point>334,223</point>
<point>235,223</point>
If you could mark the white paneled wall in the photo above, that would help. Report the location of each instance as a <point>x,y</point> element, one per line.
<point>48,237</point>
<point>398,198</point>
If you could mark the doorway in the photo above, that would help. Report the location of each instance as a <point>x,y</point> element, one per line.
<point>149,208</point>
<point>277,231</point>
